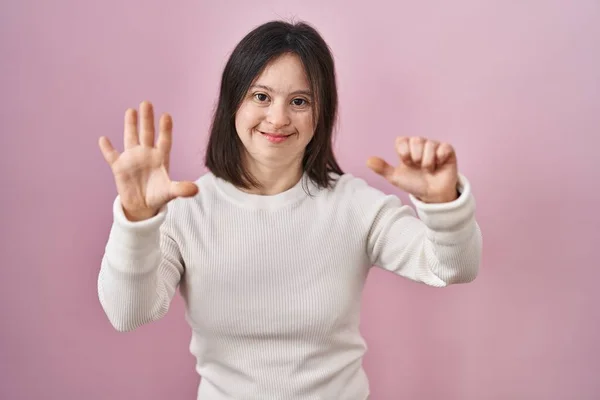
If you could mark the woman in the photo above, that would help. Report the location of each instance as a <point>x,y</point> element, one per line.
<point>271,248</point>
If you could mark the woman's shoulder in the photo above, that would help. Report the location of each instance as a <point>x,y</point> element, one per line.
<point>350,184</point>
<point>358,194</point>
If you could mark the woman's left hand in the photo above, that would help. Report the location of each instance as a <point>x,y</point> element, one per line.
<point>427,169</point>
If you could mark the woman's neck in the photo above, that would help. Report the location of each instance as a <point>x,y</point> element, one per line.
<point>275,178</point>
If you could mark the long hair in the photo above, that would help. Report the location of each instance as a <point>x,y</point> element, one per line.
<point>248,59</point>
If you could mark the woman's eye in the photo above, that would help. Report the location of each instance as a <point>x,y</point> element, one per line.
<point>299,102</point>
<point>261,97</point>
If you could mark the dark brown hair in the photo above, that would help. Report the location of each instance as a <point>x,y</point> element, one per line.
<point>247,61</point>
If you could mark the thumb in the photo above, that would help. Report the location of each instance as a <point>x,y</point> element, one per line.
<point>381,167</point>
<point>183,189</point>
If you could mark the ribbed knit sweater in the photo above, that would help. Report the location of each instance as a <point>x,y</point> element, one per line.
<point>272,284</point>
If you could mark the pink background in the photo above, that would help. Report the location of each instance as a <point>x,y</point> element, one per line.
<point>515,86</point>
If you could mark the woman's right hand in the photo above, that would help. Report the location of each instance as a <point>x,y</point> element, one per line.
<point>141,172</point>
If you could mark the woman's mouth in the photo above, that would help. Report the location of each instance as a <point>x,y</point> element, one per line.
<point>275,137</point>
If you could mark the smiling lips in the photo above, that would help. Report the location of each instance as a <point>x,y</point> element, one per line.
<point>275,137</point>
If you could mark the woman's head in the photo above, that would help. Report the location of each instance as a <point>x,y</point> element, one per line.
<point>277,104</point>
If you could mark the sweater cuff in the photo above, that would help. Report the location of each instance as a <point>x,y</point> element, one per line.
<point>132,245</point>
<point>449,222</point>
<point>141,228</point>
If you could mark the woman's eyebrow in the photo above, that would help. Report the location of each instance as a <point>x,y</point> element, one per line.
<point>304,92</point>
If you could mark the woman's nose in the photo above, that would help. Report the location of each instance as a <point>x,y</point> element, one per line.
<point>278,116</point>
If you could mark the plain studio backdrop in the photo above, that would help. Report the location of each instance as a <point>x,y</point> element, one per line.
<point>514,86</point>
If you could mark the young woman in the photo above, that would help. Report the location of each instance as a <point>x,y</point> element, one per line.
<point>271,248</point>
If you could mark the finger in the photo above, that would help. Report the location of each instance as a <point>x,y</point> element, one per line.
<point>108,151</point>
<point>444,153</point>
<point>183,189</point>
<point>130,136</point>
<point>403,150</point>
<point>146,124</point>
<point>416,149</point>
<point>429,159</point>
<point>165,137</point>
<point>381,167</point>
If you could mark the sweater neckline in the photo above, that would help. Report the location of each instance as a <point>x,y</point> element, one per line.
<point>251,200</point>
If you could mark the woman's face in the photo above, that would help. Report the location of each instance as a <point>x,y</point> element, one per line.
<point>275,119</point>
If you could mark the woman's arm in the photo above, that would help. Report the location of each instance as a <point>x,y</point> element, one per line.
<point>140,271</point>
<point>439,245</point>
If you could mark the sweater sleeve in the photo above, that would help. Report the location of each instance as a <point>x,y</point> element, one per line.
<point>439,245</point>
<point>140,270</point>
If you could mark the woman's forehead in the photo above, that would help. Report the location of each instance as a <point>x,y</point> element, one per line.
<point>285,75</point>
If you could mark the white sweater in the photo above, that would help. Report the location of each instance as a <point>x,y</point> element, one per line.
<point>273,284</point>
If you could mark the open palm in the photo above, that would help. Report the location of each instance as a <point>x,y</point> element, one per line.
<point>141,172</point>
